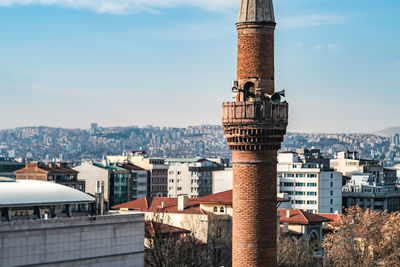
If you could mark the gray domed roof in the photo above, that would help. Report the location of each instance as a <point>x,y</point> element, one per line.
<point>24,193</point>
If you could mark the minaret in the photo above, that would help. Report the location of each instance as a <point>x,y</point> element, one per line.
<point>254,126</point>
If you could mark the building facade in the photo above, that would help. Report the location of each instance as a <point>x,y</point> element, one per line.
<point>8,166</point>
<point>115,240</point>
<point>190,176</point>
<point>158,183</point>
<point>137,180</point>
<point>349,162</point>
<point>114,179</point>
<point>254,126</point>
<point>362,191</point>
<point>310,187</point>
<point>58,172</point>
<point>222,180</point>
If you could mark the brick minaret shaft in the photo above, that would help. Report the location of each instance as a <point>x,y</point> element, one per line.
<point>255,127</point>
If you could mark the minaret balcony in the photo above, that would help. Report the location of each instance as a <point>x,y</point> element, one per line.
<point>255,125</point>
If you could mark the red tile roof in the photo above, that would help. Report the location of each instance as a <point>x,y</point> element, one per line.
<point>163,229</point>
<point>155,205</point>
<point>171,204</point>
<point>300,217</point>
<point>335,218</point>
<point>218,198</point>
<point>31,168</point>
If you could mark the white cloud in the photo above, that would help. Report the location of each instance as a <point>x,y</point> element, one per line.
<point>126,6</point>
<point>318,47</point>
<point>311,21</point>
<point>334,47</point>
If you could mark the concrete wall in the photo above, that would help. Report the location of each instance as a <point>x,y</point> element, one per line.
<point>91,174</point>
<point>222,180</point>
<point>81,241</point>
<point>330,188</point>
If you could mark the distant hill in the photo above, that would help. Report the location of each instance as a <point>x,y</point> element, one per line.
<point>389,131</point>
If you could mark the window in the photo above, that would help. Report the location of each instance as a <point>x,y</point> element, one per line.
<point>312,175</point>
<point>331,175</point>
<point>222,210</point>
<point>311,193</point>
<point>311,202</point>
<point>290,175</point>
<point>300,202</point>
<point>331,184</point>
<point>294,166</point>
<point>331,201</point>
<point>300,175</point>
<point>179,188</point>
<point>331,192</point>
<point>215,209</point>
<point>312,184</point>
<point>290,193</point>
<point>300,184</point>
<point>249,91</point>
<point>288,184</point>
<point>299,193</point>
<point>331,210</point>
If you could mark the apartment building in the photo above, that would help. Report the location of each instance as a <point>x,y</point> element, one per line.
<point>137,180</point>
<point>349,162</point>
<point>115,180</point>
<point>8,166</point>
<point>58,172</point>
<point>158,182</point>
<point>190,176</point>
<point>362,191</point>
<point>310,186</point>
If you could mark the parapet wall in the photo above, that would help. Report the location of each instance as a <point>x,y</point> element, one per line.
<point>91,241</point>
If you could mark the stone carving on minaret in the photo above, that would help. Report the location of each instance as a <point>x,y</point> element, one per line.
<point>256,11</point>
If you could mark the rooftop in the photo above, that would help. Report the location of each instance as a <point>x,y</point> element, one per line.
<point>131,167</point>
<point>297,216</point>
<point>27,193</point>
<point>171,204</point>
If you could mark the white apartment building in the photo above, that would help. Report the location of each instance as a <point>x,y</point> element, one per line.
<point>349,162</point>
<point>309,186</point>
<point>362,191</point>
<point>190,176</point>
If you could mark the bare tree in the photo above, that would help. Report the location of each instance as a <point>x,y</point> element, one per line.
<point>295,252</point>
<point>365,238</point>
<point>203,243</point>
<point>220,240</point>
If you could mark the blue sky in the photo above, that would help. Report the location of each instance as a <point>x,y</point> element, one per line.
<point>68,63</point>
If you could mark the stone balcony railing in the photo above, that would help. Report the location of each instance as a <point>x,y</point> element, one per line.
<point>256,112</point>
<point>254,126</point>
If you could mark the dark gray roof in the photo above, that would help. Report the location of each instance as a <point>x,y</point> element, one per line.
<point>256,11</point>
<point>20,193</point>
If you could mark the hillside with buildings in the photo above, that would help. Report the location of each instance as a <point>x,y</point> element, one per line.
<point>57,144</point>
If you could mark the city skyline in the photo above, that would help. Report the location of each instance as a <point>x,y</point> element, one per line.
<point>143,62</point>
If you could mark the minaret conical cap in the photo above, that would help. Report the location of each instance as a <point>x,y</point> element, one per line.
<point>259,11</point>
